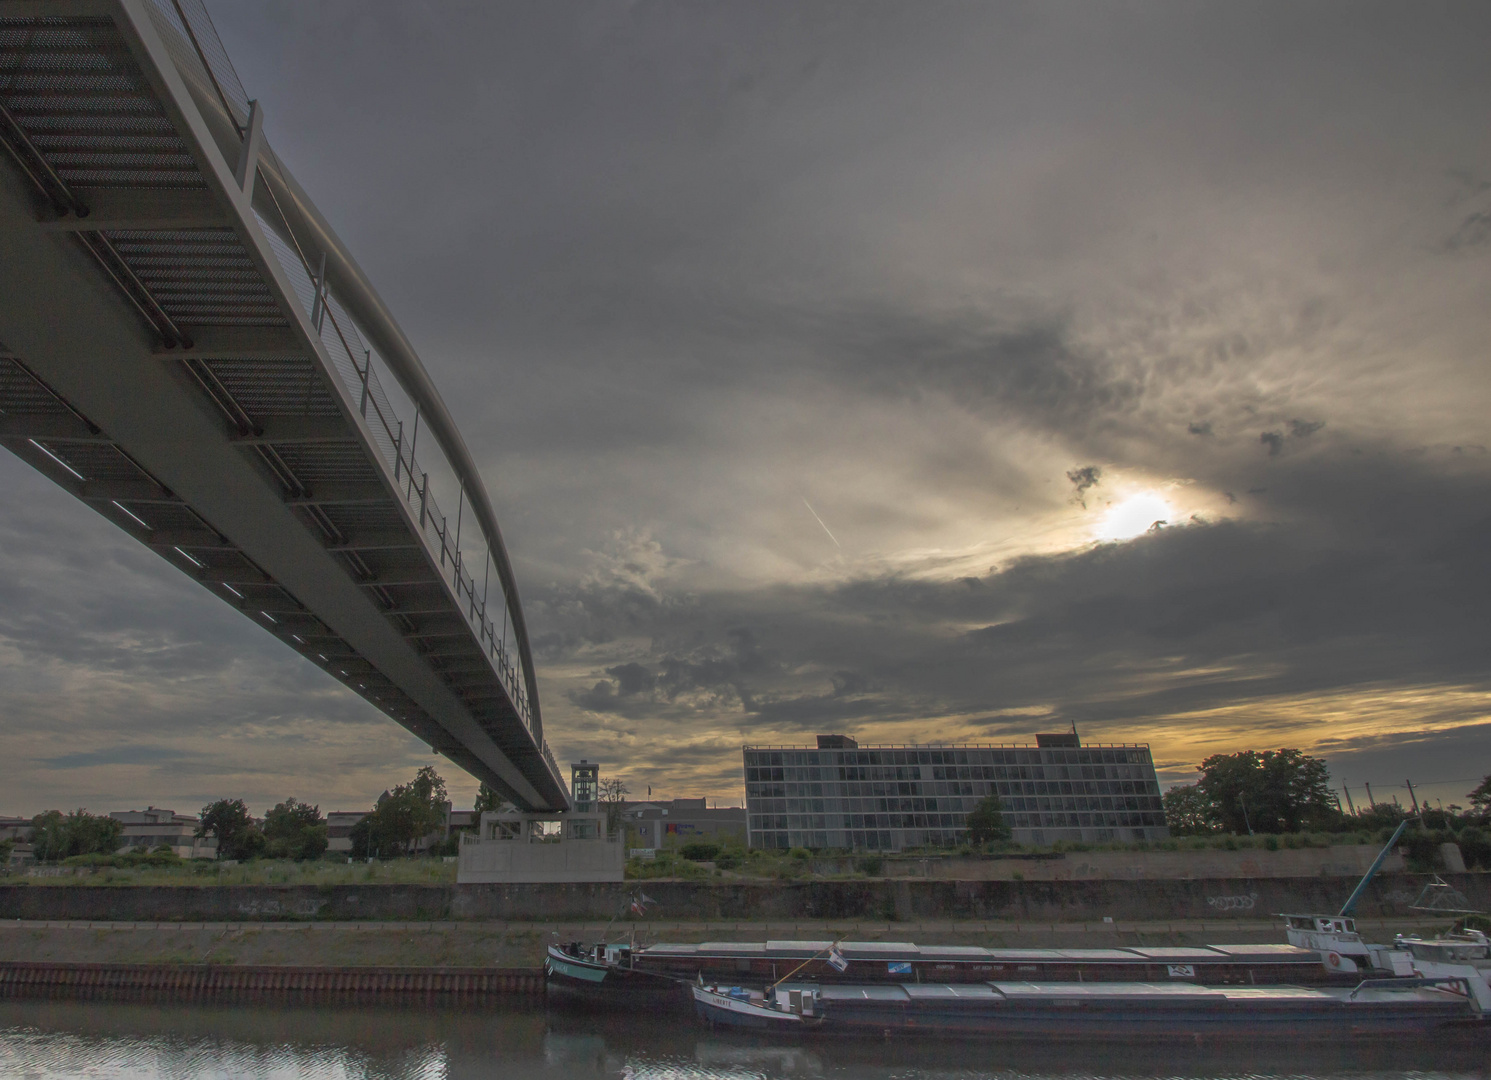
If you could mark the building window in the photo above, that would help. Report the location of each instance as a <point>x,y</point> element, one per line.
<point>891,798</point>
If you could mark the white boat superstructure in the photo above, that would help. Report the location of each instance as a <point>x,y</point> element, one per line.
<point>1341,947</point>
<point>788,1009</point>
<point>1466,954</point>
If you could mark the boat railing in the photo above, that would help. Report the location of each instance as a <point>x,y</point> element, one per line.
<point>1458,984</point>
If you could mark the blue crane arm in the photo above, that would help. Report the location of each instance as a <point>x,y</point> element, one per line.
<point>1361,886</point>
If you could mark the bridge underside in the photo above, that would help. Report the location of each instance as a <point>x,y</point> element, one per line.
<point>163,362</point>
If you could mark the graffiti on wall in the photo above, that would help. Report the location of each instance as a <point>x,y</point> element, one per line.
<point>1233,903</point>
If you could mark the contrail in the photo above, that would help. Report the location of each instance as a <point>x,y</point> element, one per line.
<point>819,520</point>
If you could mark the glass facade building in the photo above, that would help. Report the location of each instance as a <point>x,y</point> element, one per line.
<point>842,795</point>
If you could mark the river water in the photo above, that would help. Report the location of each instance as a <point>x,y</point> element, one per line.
<point>50,1040</point>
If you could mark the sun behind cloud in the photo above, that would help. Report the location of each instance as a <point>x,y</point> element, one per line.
<point>1134,516</point>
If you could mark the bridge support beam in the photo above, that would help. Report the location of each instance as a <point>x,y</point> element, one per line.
<point>63,319</point>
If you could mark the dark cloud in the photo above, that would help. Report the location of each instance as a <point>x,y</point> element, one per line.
<point>1473,232</point>
<point>681,680</point>
<point>1083,480</point>
<point>679,268</point>
<point>1360,595</point>
<point>119,755</point>
<point>632,678</point>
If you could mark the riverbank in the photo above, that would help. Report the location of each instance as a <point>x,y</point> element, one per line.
<point>493,945</point>
<point>898,900</point>
<point>249,983</point>
<point>1196,858</point>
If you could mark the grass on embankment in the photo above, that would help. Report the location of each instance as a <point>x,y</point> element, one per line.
<point>732,862</point>
<point>522,945</point>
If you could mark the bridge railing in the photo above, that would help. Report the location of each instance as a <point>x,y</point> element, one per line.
<point>397,445</point>
<point>194,44</point>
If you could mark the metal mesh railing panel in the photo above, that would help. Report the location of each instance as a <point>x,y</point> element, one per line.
<point>200,276</point>
<point>66,83</point>
<point>170,516</point>
<point>350,518</point>
<point>195,38</point>
<point>20,394</point>
<point>95,461</point>
<point>325,462</point>
<point>265,388</point>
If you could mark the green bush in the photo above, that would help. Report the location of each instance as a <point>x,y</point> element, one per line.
<point>57,837</point>
<point>870,865</point>
<point>728,860</point>
<point>451,845</point>
<point>1422,849</point>
<point>700,851</point>
<point>125,860</point>
<point>986,823</point>
<point>295,830</point>
<point>800,853</point>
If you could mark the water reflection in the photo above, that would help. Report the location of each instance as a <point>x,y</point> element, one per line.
<point>64,1040</point>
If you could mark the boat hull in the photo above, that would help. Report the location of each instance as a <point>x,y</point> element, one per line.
<point>721,1010</point>
<point>1117,1012</point>
<point>582,981</point>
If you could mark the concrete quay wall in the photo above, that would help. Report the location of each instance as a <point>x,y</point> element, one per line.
<point>217,982</point>
<point>875,899</point>
<point>1343,860</point>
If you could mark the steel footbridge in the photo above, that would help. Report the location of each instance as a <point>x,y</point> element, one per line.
<point>187,347</point>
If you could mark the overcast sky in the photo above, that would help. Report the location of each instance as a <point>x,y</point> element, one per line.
<point>924,372</point>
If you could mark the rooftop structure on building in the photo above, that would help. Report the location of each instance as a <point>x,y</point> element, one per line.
<point>512,846</point>
<point>153,828</point>
<point>339,824</point>
<point>840,794</point>
<point>660,823</point>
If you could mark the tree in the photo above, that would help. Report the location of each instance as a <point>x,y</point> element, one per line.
<point>612,793</point>
<point>1273,791</point>
<point>401,817</point>
<point>1188,812</point>
<point>428,785</point>
<point>1383,815</point>
<point>55,836</point>
<point>986,821</point>
<point>1480,798</point>
<point>295,830</point>
<point>489,802</point>
<point>230,821</point>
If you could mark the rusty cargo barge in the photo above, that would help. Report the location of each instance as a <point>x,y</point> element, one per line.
<point>623,974</point>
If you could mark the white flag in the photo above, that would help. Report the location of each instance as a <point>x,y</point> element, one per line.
<point>836,958</point>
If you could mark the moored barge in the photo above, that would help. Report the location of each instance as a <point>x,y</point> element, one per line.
<point>605,975</point>
<point>1374,1009</point>
<point>622,974</point>
<point>904,961</point>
